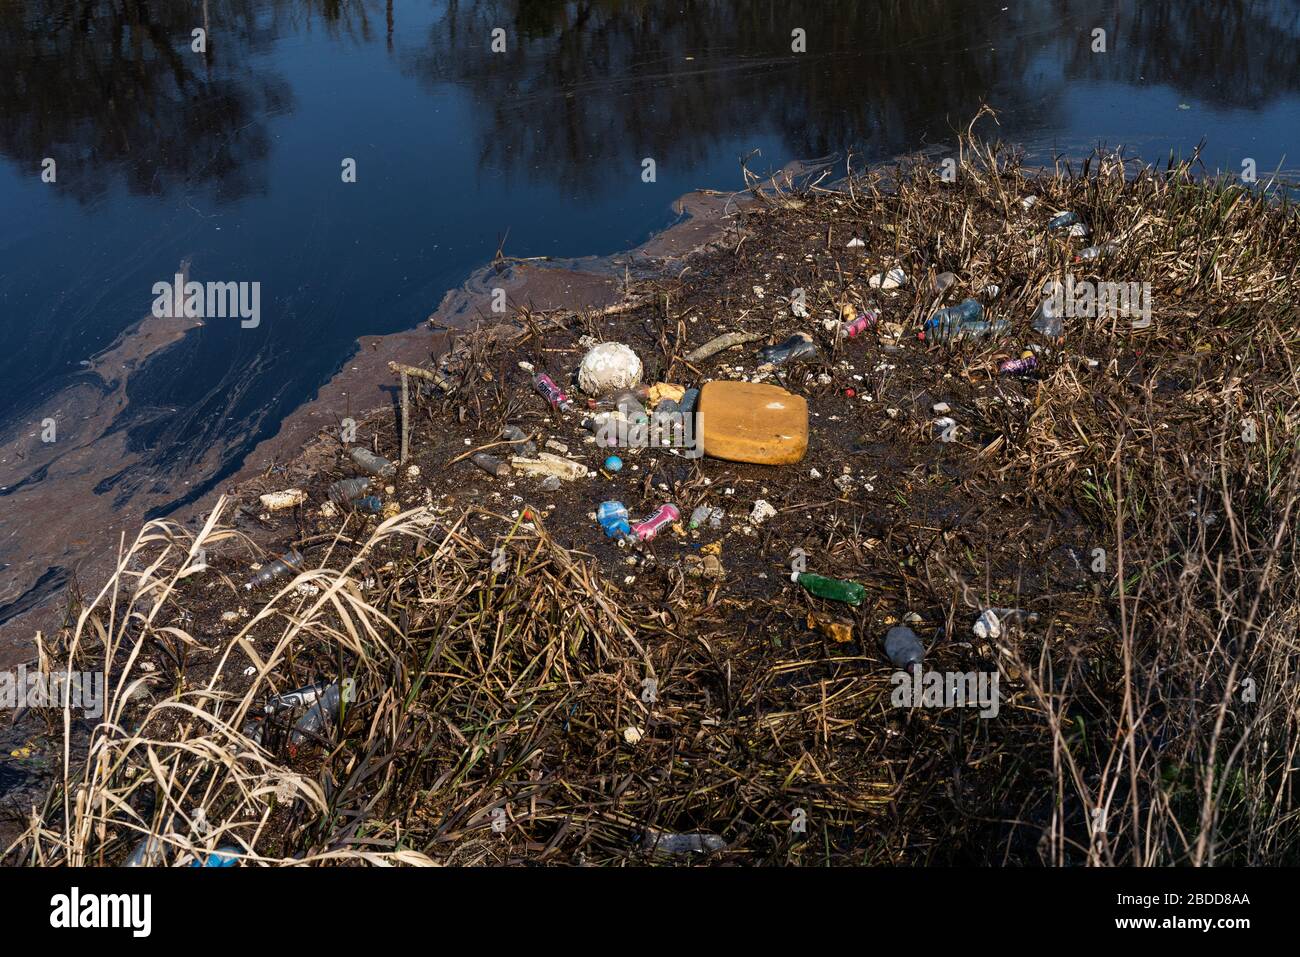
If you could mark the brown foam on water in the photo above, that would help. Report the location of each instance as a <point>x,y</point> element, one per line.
<point>55,526</point>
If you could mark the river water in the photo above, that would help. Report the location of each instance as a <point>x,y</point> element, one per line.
<point>124,152</point>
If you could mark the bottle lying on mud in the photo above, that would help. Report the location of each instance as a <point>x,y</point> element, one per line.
<point>1096,252</point>
<point>962,321</point>
<point>941,283</point>
<point>520,443</point>
<point>672,844</point>
<point>225,856</point>
<point>369,504</point>
<point>303,697</point>
<point>148,853</point>
<point>545,386</point>
<point>373,464</point>
<point>612,517</point>
<point>690,399</point>
<point>664,515</point>
<point>1046,320</point>
<point>317,718</point>
<point>286,564</point>
<point>1061,220</point>
<point>850,592</point>
<point>345,490</point>
<point>491,464</point>
<point>1023,366</point>
<point>700,515</point>
<point>903,647</point>
<point>860,323</point>
<point>798,346</point>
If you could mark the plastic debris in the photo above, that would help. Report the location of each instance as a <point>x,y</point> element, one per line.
<point>762,512</point>
<point>545,386</point>
<point>664,515</point>
<point>962,321</point>
<point>888,280</point>
<point>1063,219</point>
<point>674,844</point>
<point>612,517</point>
<point>148,853</point>
<point>856,322</point>
<point>490,464</point>
<point>520,444</point>
<point>286,564</point>
<point>699,516</point>
<point>942,283</point>
<point>903,648</point>
<point>1027,363</point>
<point>608,367</point>
<point>1096,252</point>
<point>274,501</point>
<point>225,856</point>
<point>548,464</point>
<point>798,346</point>
<point>317,717</point>
<point>833,588</point>
<point>614,463</point>
<point>373,464</point>
<point>752,422</point>
<point>345,490</point>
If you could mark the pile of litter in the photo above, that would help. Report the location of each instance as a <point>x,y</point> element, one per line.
<point>648,583</point>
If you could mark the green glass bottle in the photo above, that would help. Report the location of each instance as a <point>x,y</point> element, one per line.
<point>833,588</point>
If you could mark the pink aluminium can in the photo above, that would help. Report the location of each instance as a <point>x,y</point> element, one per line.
<point>666,514</point>
<point>551,392</point>
<point>855,327</point>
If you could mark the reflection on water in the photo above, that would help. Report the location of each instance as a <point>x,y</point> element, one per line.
<point>230,158</point>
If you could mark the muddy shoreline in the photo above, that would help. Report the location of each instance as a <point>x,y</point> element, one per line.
<point>43,558</point>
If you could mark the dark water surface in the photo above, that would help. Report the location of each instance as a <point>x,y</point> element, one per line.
<point>231,159</point>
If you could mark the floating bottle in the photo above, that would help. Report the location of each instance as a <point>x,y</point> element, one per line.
<point>373,464</point>
<point>286,564</point>
<point>798,346</point>
<point>664,515</point>
<point>832,588</point>
<point>612,517</point>
<point>903,647</point>
<point>552,393</point>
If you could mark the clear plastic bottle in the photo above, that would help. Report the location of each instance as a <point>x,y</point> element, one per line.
<point>286,564</point>
<point>798,346</point>
<point>373,464</point>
